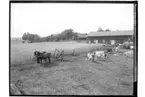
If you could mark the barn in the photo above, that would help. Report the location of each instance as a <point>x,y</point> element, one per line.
<point>81,37</point>
<point>110,37</point>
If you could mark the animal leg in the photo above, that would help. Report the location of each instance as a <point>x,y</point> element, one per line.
<point>40,60</point>
<point>45,59</point>
<point>49,59</point>
<point>37,60</point>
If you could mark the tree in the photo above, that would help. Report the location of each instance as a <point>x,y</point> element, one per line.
<point>24,37</point>
<point>31,37</point>
<point>48,38</point>
<point>76,36</point>
<point>100,29</point>
<point>107,30</point>
<point>67,34</point>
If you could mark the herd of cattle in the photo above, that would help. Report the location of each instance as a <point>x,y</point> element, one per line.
<point>97,54</point>
<point>104,53</point>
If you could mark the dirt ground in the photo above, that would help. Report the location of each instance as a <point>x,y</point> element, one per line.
<point>75,76</point>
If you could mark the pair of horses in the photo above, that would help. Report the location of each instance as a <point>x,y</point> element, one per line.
<point>42,56</point>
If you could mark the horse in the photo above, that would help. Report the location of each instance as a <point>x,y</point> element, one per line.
<point>36,53</point>
<point>42,56</point>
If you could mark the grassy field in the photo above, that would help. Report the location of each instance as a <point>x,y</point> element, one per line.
<point>21,52</point>
<point>73,76</point>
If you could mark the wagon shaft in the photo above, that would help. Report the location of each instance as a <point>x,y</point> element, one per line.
<point>58,55</point>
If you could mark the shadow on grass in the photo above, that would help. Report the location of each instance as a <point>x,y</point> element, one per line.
<point>107,61</point>
<point>49,65</point>
<point>97,62</point>
<point>67,60</point>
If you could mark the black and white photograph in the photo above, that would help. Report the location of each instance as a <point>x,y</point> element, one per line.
<point>73,48</point>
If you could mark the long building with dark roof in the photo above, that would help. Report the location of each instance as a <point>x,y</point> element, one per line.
<point>110,36</point>
<point>81,37</point>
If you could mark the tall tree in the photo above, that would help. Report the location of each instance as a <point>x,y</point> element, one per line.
<point>24,37</point>
<point>68,34</point>
<point>100,29</point>
<point>107,30</point>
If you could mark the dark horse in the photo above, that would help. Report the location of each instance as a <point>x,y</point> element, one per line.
<point>42,56</point>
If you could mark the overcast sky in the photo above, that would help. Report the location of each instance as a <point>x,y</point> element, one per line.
<point>49,18</point>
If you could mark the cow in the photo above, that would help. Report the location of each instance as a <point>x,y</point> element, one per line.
<point>96,54</point>
<point>117,48</point>
<point>90,56</point>
<point>100,54</point>
<point>128,53</point>
<point>131,47</point>
<point>108,50</point>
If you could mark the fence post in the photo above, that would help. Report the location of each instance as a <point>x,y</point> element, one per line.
<point>73,52</point>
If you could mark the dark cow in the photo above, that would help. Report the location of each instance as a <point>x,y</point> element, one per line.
<point>42,56</point>
<point>109,50</point>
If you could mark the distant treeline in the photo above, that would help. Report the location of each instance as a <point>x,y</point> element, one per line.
<point>67,34</point>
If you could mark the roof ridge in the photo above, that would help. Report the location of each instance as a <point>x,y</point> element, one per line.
<point>111,33</point>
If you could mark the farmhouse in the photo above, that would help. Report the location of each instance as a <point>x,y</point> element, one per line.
<point>110,37</point>
<point>81,37</point>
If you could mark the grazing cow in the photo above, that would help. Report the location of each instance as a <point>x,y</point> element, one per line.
<point>132,47</point>
<point>117,48</point>
<point>104,45</point>
<point>108,50</point>
<point>99,53</point>
<point>90,56</point>
<point>120,44</point>
<point>128,53</point>
<point>95,55</point>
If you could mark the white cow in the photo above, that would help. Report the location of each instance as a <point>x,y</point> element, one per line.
<point>120,44</point>
<point>117,49</point>
<point>100,54</point>
<point>89,56</point>
<point>128,53</point>
<point>132,47</point>
<point>95,55</point>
